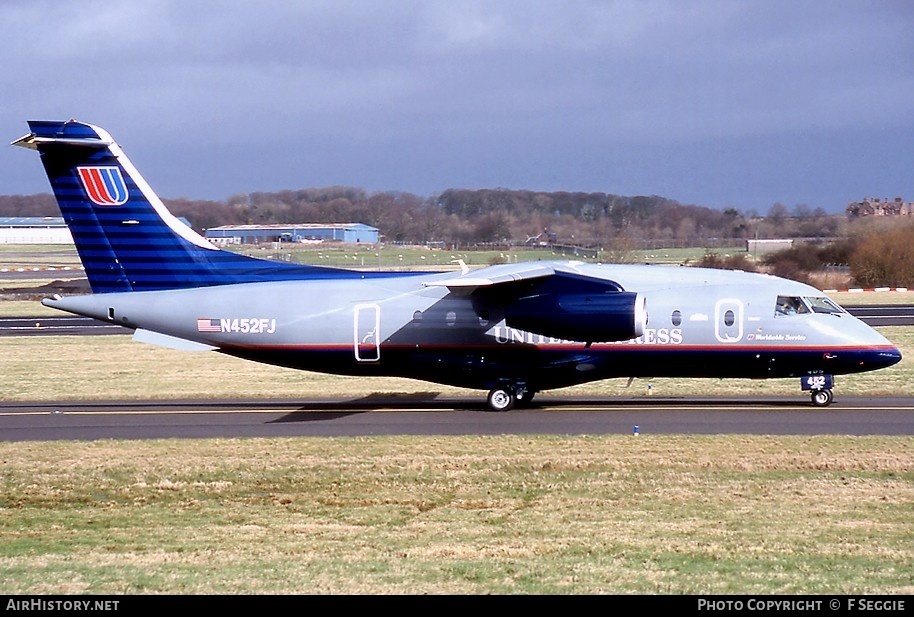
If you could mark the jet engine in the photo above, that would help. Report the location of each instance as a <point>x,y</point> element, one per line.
<point>599,317</point>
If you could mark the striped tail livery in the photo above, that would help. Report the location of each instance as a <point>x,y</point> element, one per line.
<point>126,237</point>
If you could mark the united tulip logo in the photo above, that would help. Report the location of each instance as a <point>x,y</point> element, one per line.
<point>105,186</point>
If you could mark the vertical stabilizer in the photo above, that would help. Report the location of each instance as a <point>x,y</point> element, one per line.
<point>126,237</point>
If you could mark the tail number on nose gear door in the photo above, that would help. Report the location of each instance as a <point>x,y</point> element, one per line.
<point>816,382</point>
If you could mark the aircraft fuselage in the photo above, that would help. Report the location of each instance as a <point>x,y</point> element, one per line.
<point>700,323</point>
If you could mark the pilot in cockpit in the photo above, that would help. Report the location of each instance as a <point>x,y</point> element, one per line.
<point>790,305</point>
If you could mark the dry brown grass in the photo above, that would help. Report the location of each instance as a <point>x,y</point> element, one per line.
<point>502,514</point>
<point>114,367</point>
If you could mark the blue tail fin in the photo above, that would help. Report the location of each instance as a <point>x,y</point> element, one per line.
<point>126,237</point>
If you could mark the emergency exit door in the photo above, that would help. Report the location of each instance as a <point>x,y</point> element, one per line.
<point>367,333</point>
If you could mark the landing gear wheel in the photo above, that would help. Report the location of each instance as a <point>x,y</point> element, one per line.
<point>501,399</point>
<point>822,398</point>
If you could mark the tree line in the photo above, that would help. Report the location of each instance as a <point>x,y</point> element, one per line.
<point>877,250</point>
<point>876,253</point>
<point>504,216</point>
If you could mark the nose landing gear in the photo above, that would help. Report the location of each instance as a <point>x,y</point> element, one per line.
<point>822,398</point>
<point>819,387</point>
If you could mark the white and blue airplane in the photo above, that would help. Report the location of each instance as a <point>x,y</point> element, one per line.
<point>512,330</point>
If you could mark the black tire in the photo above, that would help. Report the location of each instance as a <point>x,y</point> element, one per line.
<point>501,399</point>
<point>822,398</point>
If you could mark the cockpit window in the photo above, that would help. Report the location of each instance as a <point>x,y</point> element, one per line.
<point>790,305</point>
<point>823,305</point>
<point>795,305</point>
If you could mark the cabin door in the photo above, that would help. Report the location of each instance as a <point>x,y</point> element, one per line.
<point>367,329</point>
<point>728,316</point>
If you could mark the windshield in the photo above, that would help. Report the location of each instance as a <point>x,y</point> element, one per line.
<point>795,305</point>
<point>823,305</point>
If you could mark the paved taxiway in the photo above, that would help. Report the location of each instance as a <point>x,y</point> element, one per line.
<point>423,415</point>
<point>57,326</point>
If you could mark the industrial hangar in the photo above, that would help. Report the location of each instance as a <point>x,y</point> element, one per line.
<point>302,232</point>
<point>34,230</point>
<point>53,230</point>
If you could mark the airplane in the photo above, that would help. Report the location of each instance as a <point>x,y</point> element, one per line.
<point>511,329</point>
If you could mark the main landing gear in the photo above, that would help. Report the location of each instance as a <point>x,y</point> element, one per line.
<point>507,397</point>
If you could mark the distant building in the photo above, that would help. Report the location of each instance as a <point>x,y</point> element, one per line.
<point>873,206</point>
<point>39,230</point>
<point>302,232</point>
<point>760,247</point>
<point>34,230</point>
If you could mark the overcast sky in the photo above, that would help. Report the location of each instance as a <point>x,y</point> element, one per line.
<point>718,103</point>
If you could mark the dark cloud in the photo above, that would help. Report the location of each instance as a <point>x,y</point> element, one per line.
<point>713,102</point>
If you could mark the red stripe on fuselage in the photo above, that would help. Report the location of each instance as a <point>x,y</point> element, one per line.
<point>599,347</point>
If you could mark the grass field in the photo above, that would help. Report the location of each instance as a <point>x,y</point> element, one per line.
<point>460,515</point>
<point>535,514</point>
<point>367,256</point>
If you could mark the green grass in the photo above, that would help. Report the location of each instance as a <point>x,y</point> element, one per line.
<point>459,515</point>
<point>367,256</point>
<point>388,256</point>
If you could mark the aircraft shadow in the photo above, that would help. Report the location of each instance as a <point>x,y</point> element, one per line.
<point>322,411</point>
<point>376,401</point>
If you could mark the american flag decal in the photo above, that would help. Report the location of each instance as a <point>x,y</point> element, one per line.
<point>104,185</point>
<point>209,325</point>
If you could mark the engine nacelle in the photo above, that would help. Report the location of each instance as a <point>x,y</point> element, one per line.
<point>586,317</point>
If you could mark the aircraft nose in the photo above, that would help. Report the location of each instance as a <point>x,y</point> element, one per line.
<point>874,359</point>
<point>887,358</point>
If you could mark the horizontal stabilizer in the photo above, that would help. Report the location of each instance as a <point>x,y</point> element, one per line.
<point>169,342</point>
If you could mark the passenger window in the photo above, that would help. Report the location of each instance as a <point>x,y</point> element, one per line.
<point>677,317</point>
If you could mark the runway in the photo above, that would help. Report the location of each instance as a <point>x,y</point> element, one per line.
<point>422,415</point>
<point>57,326</point>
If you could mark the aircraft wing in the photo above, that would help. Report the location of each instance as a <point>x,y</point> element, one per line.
<point>468,282</point>
<point>553,302</point>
